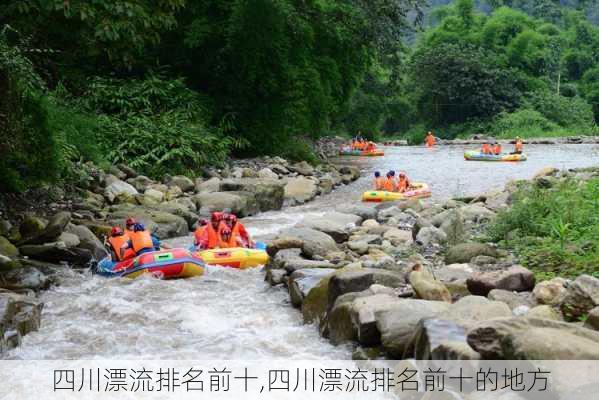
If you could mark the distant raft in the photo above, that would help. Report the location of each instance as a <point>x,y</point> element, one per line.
<point>418,190</point>
<point>362,153</point>
<point>236,257</point>
<point>165,264</point>
<point>476,155</point>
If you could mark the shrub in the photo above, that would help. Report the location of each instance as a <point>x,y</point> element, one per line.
<point>564,111</point>
<point>523,122</point>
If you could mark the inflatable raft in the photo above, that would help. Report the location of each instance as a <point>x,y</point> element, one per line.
<point>476,155</point>
<point>165,264</point>
<point>362,153</point>
<point>419,190</point>
<point>235,257</point>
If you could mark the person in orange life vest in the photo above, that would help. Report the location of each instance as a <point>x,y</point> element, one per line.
<point>518,145</point>
<point>430,139</point>
<point>141,241</point>
<point>497,148</point>
<point>129,224</point>
<point>239,235</point>
<point>403,183</point>
<point>486,148</point>
<point>370,146</point>
<point>389,184</point>
<point>201,227</point>
<point>210,238</point>
<point>379,181</point>
<point>116,240</point>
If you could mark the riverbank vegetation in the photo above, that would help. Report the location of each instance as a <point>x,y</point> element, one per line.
<point>174,85</point>
<point>555,230</point>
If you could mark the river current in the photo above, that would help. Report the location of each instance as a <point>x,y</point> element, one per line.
<point>230,314</point>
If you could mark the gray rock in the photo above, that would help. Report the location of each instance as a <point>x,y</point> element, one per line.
<point>398,236</point>
<point>498,200</point>
<point>89,241</point>
<point>398,325</point>
<point>592,321</point>
<point>7,263</point>
<point>57,252</point>
<point>304,280</point>
<point>7,248</point>
<point>453,226</point>
<point>313,242</point>
<point>19,314</point>
<point>544,312</point>
<point>533,339</point>
<point>117,189</point>
<point>512,299</point>
<point>426,287</point>
<point>335,224</point>
<point>582,296</point>
<point>364,211</point>
<point>241,203</point>
<point>418,225</point>
<point>516,278</point>
<point>153,196</point>
<point>430,235</point>
<point>129,172</point>
<point>296,264</point>
<point>464,252</point>
<point>361,279</point>
<point>140,183</point>
<point>269,193</point>
<point>25,278</point>
<point>275,276</point>
<point>280,259</point>
<point>550,292</point>
<point>69,239</point>
<point>183,182</point>
<point>302,168</point>
<point>209,186</point>
<point>476,213</point>
<point>266,173</point>
<point>298,190</point>
<point>162,224</point>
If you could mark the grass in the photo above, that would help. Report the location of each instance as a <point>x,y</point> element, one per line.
<point>554,231</point>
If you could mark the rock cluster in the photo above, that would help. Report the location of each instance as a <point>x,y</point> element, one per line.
<point>413,280</point>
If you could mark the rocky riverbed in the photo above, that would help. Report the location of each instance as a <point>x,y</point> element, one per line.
<point>37,240</point>
<point>413,279</point>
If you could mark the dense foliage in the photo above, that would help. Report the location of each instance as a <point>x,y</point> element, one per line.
<point>555,231</point>
<point>171,85</point>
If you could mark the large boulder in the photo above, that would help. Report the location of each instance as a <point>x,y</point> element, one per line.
<point>582,296</point>
<point>398,236</point>
<point>476,213</point>
<point>26,278</point>
<point>152,197</point>
<point>512,299</point>
<point>87,240</point>
<point>7,248</point>
<point>52,231</point>
<point>280,259</point>
<point>444,336</point>
<point>19,315</point>
<point>430,235</point>
<point>241,203</point>
<point>313,242</point>
<point>57,252</point>
<point>303,281</point>
<point>266,173</point>
<point>361,279</point>
<point>592,321</point>
<point>522,338</point>
<point>140,182</point>
<point>464,252</point>
<point>498,200</point>
<point>209,186</point>
<point>551,292</point>
<point>453,226</point>
<point>366,211</point>
<point>302,168</point>
<point>426,287</point>
<point>31,226</point>
<point>516,278</point>
<point>398,324</point>
<point>295,264</point>
<point>269,193</point>
<point>184,208</point>
<point>335,224</point>
<point>182,182</point>
<point>119,189</point>
<point>299,190</point>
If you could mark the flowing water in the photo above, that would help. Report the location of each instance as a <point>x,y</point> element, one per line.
<point>230,314</point>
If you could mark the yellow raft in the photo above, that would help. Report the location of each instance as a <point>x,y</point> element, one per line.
<point>236,257</point>
<point>418,190</point>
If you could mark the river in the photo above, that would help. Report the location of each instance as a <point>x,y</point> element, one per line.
<point>230,314</point>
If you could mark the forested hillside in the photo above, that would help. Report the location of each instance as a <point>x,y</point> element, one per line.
<point>171,85</point>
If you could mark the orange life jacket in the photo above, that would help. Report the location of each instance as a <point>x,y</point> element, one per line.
<point>141,240</point>
<point>116,242</point>
<point>486,149</point>
<point>519,145</point>
<point>497,149</point>
<point>430,140</point>
<point>213,236</point>
<point>388,186</point>
<point>403,184</point>
<point>379,183</point>
<point>198,233</point>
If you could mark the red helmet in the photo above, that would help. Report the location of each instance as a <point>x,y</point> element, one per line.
<point>232,218</point>
<point>216,216</point>
<point>116,231</point>
<point>130,221</point>
<point>202,222</point>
